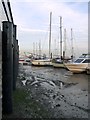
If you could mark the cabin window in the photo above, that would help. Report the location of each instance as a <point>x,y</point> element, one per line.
<point>88,56</point>
<point>86,61</point>
<point>79,60</point>
<point>83,56</point>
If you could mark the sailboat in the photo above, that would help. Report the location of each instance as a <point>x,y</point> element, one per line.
<point>58,62</point>
<point>45,62</point>
<point>80,64</point>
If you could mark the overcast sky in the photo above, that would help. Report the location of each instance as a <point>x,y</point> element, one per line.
<point>32,20</point>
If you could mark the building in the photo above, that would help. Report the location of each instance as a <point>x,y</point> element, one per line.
<point>6,16</point>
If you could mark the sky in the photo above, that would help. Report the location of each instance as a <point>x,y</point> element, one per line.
<point>32,18</point>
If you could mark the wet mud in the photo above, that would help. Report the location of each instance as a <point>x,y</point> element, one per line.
<point>63,94</point>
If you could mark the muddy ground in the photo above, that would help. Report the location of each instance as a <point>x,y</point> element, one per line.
<point>50,93</point>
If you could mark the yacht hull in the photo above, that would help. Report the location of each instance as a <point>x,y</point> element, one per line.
<point>58,65</point>
<point>41,63</point>
<point>77,67</point>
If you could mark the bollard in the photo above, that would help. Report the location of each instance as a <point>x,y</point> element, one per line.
<point>7,67</point>
<point>14,58</point>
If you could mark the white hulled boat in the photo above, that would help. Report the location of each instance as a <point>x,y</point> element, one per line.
<point>80,64</point>
<point>47,61</point>
<point>59,62</point>
<point>42,62</point>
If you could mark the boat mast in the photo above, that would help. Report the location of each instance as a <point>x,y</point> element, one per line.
<point>36,50</point>
<point>64,52</point>
<point>55,48</point>
<point>72,44</point>
<point>61,37</point>
<point>50,35</point>
<point>33,48</point>
<point>39,49</point>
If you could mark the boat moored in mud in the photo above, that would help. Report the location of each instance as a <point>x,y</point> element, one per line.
<point>42,62</point>
<point>80,64</point>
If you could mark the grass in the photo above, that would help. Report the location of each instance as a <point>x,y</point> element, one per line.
<point>25,106</point>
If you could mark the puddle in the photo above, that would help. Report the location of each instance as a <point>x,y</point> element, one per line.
<point>68,73</point>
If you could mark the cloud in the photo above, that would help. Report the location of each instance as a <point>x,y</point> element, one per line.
<point>49,0</point>
<point>32,16</point>
<point>31,30</point>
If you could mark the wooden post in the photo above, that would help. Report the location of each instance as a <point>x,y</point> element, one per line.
<point>14,58</point>
<point>17,58</point>
<point>7,67</point>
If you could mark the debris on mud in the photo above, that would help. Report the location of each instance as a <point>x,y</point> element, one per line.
<point>43,94</point>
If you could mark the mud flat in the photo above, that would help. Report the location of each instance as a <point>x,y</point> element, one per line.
<point>50,93</point>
